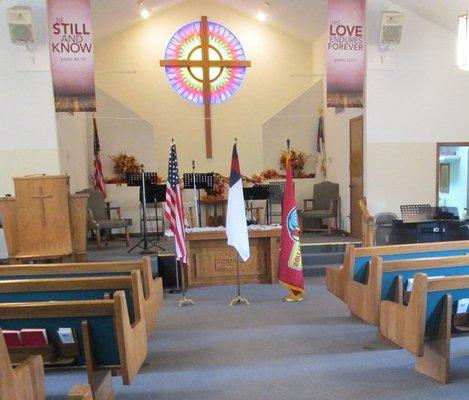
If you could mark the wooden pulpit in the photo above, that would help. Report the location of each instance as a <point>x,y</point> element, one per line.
<point>43,220</point>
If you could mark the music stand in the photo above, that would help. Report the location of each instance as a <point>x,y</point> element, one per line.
<point>143,180</point>
<point>256,192</point>
<point>155,193</point>
<point>198,181</point>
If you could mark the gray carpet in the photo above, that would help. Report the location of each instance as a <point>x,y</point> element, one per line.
<point>273,350</point>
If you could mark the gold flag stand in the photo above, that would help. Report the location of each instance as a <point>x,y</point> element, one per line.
<point>184,300</point>
<point>239,300</point>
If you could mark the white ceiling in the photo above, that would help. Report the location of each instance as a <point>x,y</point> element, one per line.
<point>305,19</point>
<point>441,12</point>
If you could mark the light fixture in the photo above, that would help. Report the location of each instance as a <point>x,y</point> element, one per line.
<point>145,13</point>
<point>261,16</point>
<point>463,42</point>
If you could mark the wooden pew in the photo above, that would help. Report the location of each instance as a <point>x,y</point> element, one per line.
<point>357,259</point>
<point>387,279</point>
<point>109,342</point>
<point>69,289</point>
<point>81,392</point>
<point>25,382</point>
<point>424,326</point>
<point>152,288</point>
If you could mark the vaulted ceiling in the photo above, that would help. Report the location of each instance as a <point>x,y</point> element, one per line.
<point>305,19</point>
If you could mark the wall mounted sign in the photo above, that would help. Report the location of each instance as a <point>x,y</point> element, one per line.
<point>346,53</point>
<point>71,54</point>
<point>205,64</point>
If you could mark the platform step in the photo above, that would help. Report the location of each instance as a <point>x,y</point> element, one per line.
<point>319,259</point>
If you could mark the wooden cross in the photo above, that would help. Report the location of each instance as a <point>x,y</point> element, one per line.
<point>41,197</point>
<point>205,63</point>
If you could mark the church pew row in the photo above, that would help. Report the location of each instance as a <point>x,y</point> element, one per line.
<point>152,288</point>
<point>25,382</point>
<point>424,326</point>
<point>387,280</point>
<point>357,260</point>
<point>107,340</point>
<point>70,289</point>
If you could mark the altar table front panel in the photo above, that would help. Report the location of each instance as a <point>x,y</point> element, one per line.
<point>213,262</point>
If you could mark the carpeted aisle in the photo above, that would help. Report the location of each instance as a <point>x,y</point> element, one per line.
<point>273,350</point>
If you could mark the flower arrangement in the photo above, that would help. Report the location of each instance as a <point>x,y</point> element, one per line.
<point>298,161</point>
<point>220,184</point>
<point>123,164</point>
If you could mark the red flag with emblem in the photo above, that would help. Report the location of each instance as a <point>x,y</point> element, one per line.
<point>290,270</point>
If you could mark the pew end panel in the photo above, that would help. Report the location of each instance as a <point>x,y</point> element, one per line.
<point>364,299</point>
<point>132,340</point>
<point>154,296</point>
<point>405,325</point>
<point>337,278</point>
<point>435,361</point>
<point>81,392</point>
<point>25,382</point>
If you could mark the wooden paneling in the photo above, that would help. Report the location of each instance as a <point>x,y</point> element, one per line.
<point>44,221</point>
<point>356,175</point>
<point>213,262</point>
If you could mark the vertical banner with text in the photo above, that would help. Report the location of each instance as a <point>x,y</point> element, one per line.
<point>71,52</point>
<point>346,53</point>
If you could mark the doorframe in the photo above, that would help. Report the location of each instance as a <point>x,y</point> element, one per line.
<point>360,117</point>
<point>439,145</point>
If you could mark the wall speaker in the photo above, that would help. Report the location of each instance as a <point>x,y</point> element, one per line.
<point>391,27</point>
<point>20,24</point>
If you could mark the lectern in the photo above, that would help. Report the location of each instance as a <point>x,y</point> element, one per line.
<point>43,220</point>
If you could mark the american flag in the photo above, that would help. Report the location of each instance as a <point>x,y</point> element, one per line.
<point>173,208</point>
<point>98,177</point>
<point>321,165</point>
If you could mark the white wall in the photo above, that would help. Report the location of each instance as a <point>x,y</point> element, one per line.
<point>72,132</point>
<point>337,134</point>
<point>298,122</point>
<point>128,70</point>
<point>420,101</point>
<point>27,129</point>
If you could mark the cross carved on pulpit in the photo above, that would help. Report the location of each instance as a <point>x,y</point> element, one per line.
<point>41,197</point>
<point>205,63</point>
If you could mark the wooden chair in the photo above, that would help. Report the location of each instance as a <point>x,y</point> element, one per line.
<point>387,280</point>
<point>325,204</point>
<point>356,261</point>
<point>99,216</point>
<point>424,326</point>
<point>368,229</point>
<point>25,382</point>
<point>152,288</point>
<point>110,343</point>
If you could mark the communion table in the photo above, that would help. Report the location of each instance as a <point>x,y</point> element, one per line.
<point>44,221</point>
<point>213,262</point>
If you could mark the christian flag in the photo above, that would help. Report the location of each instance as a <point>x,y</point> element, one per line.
<point>236,225</point>
<point>290,270</point>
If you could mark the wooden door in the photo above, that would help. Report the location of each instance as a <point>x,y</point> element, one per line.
<point>356,175</point>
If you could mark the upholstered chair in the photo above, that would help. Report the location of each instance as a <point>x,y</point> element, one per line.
<point>325,204</point>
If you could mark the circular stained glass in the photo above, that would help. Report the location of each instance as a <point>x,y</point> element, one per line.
<point>186,44</point>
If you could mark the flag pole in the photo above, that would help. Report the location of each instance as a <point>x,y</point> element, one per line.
<point>196,196</point>
<point>295,296</point>
<point>238,300</point>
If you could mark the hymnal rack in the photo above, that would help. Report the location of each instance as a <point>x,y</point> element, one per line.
<point>144,180</point>
<point>193,180</point>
